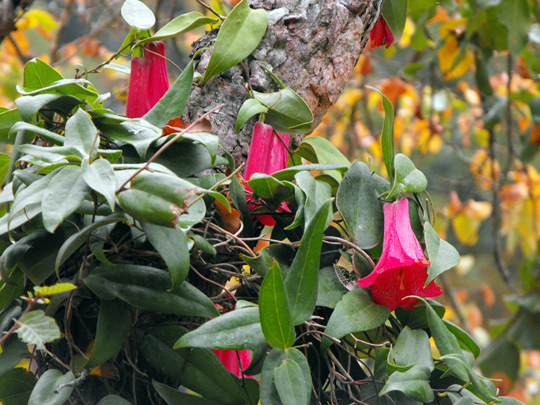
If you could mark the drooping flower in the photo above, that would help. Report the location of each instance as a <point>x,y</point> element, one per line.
<point>381,34</point>
<point>149,80</point>
<point>267,154</point>
<point>401,270</point>
<point>229,358</point>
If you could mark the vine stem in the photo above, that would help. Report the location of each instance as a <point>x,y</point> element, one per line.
<point>352,246</point>
<point>169,143</point>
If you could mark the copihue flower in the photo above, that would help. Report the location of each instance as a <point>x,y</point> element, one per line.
<point>229,358</point>
<point>381,34</point>
<point>148,81</point>
<point>267,154</point>
<point>401,270</point>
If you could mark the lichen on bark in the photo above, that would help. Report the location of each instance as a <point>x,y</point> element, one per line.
<point>311,45</point>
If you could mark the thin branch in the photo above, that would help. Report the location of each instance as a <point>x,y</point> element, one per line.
<point>352,246</point>
<point>209,8</point>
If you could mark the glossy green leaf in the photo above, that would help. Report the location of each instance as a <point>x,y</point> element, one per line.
<point>82,134</point>
<point>331,290</point>
<point>65,193</point>
<point>272,191</point>
<point>515,15</point>
<point>276,321</point>
<point>408,178</point>
<point>442,255</point>
<point>36,329</point>
<point>45,392</point>
<point>238,36</point>
<point>412,348</point>
<point>175,397</point>
<point>209,141</point>
<point>10,292</point>
<point>114,322</point>
<point>63,86</point>
<point>356,312</point>
<point>113,400</point>
<point>290,172</point>
<point>99,176</point>
<point>38,74</point>
<point>395,15</point>
<point>8,118</point>
<point>320,150</point>
<point>317,192</point>
<point>138,15</point>
<point>269,392</point>
<point>11,355</point>
<point>287,111</point>
<point>387,136</point>
<point>293,378</point>
<point>236,330</point>
<point>146,287</point>
<point>283,254</point>
<point>171,244</point>
<point>249,108</point>
<point>414,383</point>
<point>301,283</point>
<point>29,106</point>
<point>138,133</point>
<point>238,197</point>
<point>198,369</point>
<point>146,207</point>
<point>72,244</point>
<point>463,337</point>
<point>16,387</point>
<point>417,318</point>
<point>180,25</point>
<point>359,206</point>
<point>174,101</point>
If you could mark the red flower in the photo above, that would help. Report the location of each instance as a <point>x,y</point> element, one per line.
<point>381,34</point>
<point>401,270</point>
<point>148,81</point>
<point>267,154</point>
<point>229,358</point>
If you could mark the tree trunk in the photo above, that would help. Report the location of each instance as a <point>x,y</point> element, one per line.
<point>311,45</point>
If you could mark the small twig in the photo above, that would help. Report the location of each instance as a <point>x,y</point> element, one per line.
<point>77,380</point>
<point>214,282</point>
<point>98,67</point>
<point>21,56</point>
<point>209,8</point>
<point>239,240</point>
<point>352,246</point>
<point>164,57</point>
<point>169,143</point>
<point>289,151</point>
<point>55,357</point>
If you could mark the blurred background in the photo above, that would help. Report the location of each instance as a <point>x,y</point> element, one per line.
<point>463,79</point>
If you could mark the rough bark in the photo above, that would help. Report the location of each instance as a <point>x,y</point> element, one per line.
<point>311,45</point>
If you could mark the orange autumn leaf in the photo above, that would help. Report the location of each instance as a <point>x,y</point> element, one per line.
<point>230,219</point>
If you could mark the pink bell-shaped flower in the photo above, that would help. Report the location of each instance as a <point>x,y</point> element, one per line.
<point>381,34</point>
<point>401,270</point>
<point>229,358</point>
<point>267,154</point>
<point>148,81</point>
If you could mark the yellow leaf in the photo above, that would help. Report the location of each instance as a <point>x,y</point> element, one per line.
<point>447,55</point>
<point>408,31</point>
<point>466,229</point>
<point>54,289</point>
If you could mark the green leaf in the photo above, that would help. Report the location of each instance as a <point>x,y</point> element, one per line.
<point>36,329</point>
<point>269,392</point>
<point>180,25</point>
<point>408,178</point>
<point>516,16</point>
<point>387,136</point>
<point>171,244</point>
<point>38,74</point>
<point>238,36</point>
<point>75,241</point>
<point>56,155</point>
<point>45,391</point>
<point>414,383</point>
<point>287,111</point>
<point>290,172</point>
<point>11,355</point>
<point>209,141</point>
<point>249,108</point>
<point>33,194</point>
<point>82,134</point>
<point>64,86</point>
<point>395,15</point>
<point>138,15</point>
<point>99,176</point>
<point>320,150</point>
<point>293,378</point>
<point>149,208</point>
<point>174,101</point>
<point>114,322</point>
<point>16,387</point>
<point>442,255</point>
<point>146,287</point>
<point>356,312</point>
<point>236,330</point>
<point>45,134</point>
<point>238,197</point>
<point>9,292</point>
<point>317,193</point>
<point>331,290</point>
<point>463,337</point>
<point>412,348</point>
<point>276,321</point>
<point>198,369</point>
<point>417,318</point>
<point>8,118</point>
<point>272,191</point>
<point>175,397</point>
<point>301,283</point>
<point>359,206</point>
<point>113,400</point>
<point>29,106</point>
<point>65,193</point>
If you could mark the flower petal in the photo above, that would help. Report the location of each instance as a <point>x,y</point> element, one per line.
<point>138,88</point>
